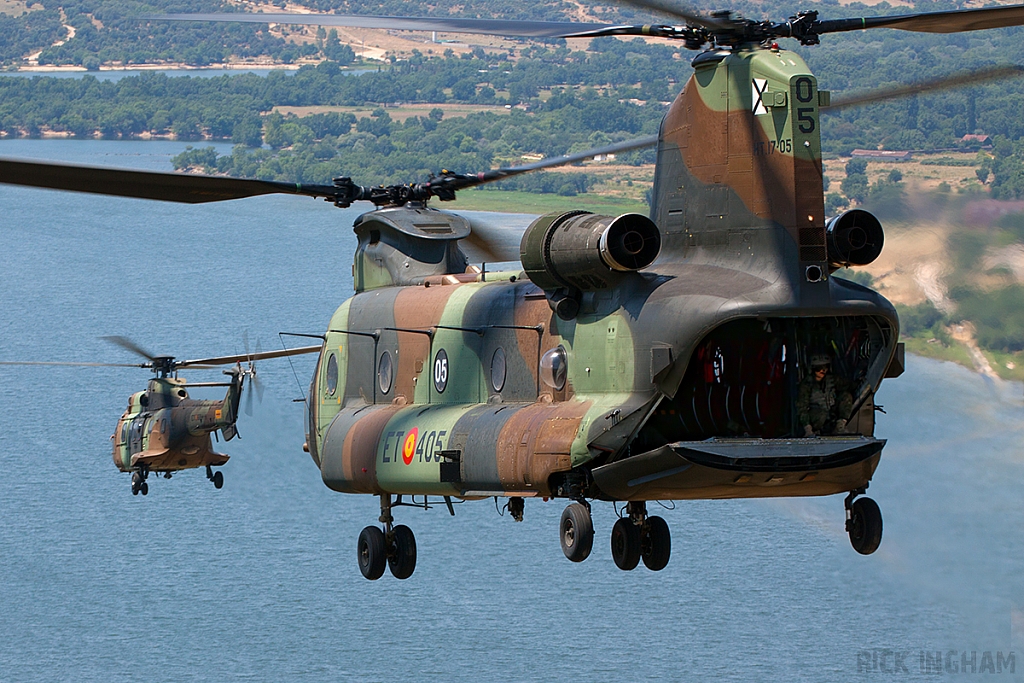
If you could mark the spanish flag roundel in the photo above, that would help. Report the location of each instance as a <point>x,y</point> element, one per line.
<point>409,447</point>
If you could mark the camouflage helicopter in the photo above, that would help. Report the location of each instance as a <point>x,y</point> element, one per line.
<point>629,358</point>
<point>163,430</point>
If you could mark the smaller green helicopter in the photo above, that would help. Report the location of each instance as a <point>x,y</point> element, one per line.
<point>163,430</point>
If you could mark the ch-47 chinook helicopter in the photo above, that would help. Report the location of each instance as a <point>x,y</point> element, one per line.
<point>163,430</point>
<point>630,358</point>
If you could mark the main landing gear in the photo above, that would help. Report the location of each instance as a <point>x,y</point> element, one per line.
<point>216,477</point>
<point>634,538</point>
<point>139,484</point>
<point>394,546</point>
<point>863,522</point>
<point>639,537</point>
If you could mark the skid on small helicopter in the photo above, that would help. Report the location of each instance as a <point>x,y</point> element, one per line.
<point>630,358</point>
<point>163,430</point>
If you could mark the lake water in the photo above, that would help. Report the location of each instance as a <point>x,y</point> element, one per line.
<point>259,581</point>
<point>116,75</point>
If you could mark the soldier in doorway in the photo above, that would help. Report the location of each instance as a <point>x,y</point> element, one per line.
<point>823,403</point>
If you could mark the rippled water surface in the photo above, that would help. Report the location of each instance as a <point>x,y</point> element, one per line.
<point>259,580</point>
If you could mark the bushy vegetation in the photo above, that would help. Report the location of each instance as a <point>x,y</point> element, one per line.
<point>379,149</point>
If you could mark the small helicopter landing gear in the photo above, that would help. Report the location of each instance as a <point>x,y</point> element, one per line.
<point>139,484</point>
<point>863,522</point>
<point>216,477</point>
<point>393,547</point>
<point>576,531</point>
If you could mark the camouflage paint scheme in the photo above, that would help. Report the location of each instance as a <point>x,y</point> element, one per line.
<point>678,380</point>
<point>163,430</point>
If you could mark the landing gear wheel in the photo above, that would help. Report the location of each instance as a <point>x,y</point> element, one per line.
<point>136,483</point>
<point>402,558</point>
<point>576,532</point>
<point>865,526</point>
<point>218,480</point>
<point>144,489</point>
<point>655,543</point>
<point>372,553</point>
<point>626,544</point>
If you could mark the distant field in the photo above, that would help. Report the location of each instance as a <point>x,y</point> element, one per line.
<point>14,8</point>
<point>398,113</point>
<point>916,172</point>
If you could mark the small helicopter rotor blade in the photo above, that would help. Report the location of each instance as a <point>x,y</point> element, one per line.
<point>257,384</point>
<point>227,360</point>
<point>952,81</point>
<point>492,242</point>
<point>75,365</point>
<point>128,344</point>
<point>168,187</point>
<point>950,21</point>
<point>248,400</point>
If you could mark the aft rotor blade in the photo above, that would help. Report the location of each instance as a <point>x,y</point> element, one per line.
<point>168,187</point>
<point>953,81</point>
<point>126,343</point>
<point>492,242</point>
<point>950,21</point>
<point>498,27</point>
<point>227,360</point>
<point>681,12</point>
<point>74,365</point>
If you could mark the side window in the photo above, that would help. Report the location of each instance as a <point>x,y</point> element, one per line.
<point>331,378</point>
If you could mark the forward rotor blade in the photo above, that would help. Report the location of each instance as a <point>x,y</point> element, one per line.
<point>499,27</point>
<point>463,181</point>
<point>126,343</point>
<point>952,81</point>
<point>258,386</point>
<point>950,21</point>
<point>75,365</point>
<point>227,360</point>
<point>169,187</point>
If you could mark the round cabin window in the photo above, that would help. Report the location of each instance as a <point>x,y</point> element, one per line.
<point>553,368</point>
<point>332,374</point>
<point>385,372</point>
<point>498,369</point>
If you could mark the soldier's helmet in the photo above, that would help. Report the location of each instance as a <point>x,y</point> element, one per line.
<point>820,360</point>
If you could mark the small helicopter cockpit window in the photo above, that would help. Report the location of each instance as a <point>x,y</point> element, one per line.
<point>498,367</point>
<point>385,372</point>
<point>332,374</point>
<point>553,368</point>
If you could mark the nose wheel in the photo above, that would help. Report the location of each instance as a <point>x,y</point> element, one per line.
<point>393,548</point>
<point>863,523</point>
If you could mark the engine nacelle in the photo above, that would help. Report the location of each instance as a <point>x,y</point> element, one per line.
<point>854,238</point>
<point>579,251</point>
